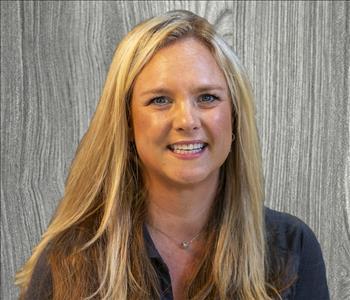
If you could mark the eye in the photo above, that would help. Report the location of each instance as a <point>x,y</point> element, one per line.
<point>160,101</point>
<point>208,98</point>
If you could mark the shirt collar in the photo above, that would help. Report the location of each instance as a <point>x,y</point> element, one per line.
<point>150,247</point>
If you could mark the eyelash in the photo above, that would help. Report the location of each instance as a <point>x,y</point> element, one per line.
<point>213,98</point>
<point>153,101</point>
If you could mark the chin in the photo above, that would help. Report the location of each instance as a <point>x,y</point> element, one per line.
<point>190,179</point>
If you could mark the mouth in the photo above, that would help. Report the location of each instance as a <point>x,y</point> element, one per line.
<point>187,148</point>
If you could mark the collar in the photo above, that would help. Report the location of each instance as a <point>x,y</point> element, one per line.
<point>150,247</point>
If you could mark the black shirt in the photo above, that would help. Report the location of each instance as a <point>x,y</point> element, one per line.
<point>292,236</point>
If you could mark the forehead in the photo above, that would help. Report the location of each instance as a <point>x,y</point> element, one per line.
<point>185,61</point>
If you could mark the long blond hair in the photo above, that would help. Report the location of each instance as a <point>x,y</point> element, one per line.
<point>97,228</point>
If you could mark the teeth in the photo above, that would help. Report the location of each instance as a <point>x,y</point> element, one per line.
<point>187,151</point>
<point>187,148</point>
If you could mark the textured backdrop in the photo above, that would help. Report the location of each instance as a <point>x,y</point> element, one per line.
<point>54,60</point>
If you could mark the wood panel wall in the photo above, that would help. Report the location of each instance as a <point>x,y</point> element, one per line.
<point>54,59</point>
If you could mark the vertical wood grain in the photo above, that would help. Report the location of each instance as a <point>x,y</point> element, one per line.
<point>54,60</point>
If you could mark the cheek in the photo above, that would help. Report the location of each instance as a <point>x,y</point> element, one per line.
<point>148,127</point>
<point>221,122</point>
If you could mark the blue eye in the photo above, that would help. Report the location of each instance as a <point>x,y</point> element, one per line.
<point>208,98</point>
<point>160,101</point>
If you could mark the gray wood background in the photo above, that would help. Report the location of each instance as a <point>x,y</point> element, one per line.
<point>54,60</point>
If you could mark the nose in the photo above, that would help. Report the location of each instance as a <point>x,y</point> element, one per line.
<point>186,116</point>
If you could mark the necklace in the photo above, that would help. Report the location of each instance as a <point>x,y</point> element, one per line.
<point>184,244</point>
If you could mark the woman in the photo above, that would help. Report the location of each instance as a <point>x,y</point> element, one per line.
<point>164,199</point>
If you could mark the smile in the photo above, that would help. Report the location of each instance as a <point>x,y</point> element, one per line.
<point>187,148</point>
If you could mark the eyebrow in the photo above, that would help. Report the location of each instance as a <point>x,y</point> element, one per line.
<point>202,88</point>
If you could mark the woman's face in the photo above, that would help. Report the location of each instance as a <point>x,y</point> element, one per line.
<point>181,116</point>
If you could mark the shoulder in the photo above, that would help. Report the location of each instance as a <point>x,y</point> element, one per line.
<point>40,286</point>
<point>284,221</point>
<point>291,234</point>
<point>291,238</point>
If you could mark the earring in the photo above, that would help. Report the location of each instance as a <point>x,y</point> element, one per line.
<point>233,137</point>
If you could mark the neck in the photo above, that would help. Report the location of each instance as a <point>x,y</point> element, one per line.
<point>180,212</point>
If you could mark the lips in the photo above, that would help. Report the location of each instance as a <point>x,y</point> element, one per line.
<point>187,148</point>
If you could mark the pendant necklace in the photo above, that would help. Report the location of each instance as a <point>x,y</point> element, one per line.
<point>185,245</point>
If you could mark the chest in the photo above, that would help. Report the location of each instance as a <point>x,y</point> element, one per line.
<point>181,264</point>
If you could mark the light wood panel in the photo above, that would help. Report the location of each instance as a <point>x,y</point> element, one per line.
<point>54,59</point>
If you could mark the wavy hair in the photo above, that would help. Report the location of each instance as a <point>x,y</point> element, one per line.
<point>94,243</point>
